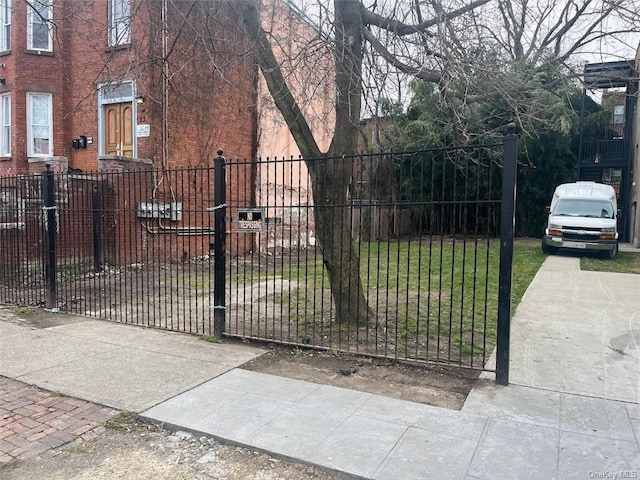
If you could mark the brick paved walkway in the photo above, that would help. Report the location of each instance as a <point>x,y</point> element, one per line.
<point>33,421</point>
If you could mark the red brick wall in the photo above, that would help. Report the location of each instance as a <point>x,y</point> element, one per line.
<point>211,105</point>
<point>211,89</point>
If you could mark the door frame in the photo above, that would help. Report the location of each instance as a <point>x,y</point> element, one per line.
<point>123,97</point>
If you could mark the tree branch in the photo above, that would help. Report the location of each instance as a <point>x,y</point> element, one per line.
<point>402,29</point>
<point>276,83</point>
<point>422,74</point>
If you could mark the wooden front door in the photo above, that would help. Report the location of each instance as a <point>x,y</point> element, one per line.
<point>119,129</point>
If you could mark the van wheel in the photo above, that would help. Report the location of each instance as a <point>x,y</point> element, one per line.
<point>608,254</point>
<point>547,249</point>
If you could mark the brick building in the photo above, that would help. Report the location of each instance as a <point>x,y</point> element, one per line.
<point>104,89</point>
<point>283,186</point>
<point>83,82</point>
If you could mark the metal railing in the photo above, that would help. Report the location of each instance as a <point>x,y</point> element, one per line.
<point>403,255</point>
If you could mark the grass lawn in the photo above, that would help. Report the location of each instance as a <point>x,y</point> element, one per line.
<point>623,262</point>
<point>441,296</point>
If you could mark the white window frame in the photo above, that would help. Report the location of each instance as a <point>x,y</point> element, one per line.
<point>5,124</point>
<point>119,22</point>
<point>5,25</point>
<point>30,134</point>
<point>44,17</point>
<point>618,114</point>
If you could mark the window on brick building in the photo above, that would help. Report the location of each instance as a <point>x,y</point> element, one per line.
<point>119,22</point>
<point>39,25</point>
<point>39,125</point>
<point>618,114</point>
<point>5,122</point>
<point>5,25</point>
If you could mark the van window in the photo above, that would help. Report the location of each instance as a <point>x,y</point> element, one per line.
<point>572,207</point>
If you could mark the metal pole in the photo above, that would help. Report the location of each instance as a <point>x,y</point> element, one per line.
<point>95,207</point>
<point>507,226</point>
<point>219,262</point>
<point>50,224</point>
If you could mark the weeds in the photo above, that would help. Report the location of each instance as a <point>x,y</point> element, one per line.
<point>122,421</point>
<point>25,311</point>
<point>210,339</point>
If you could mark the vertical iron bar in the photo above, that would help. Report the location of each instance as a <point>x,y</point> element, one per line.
<point>463,232</point>
<point>490,233</point>
<point>364,199</point>
<point>432,222</point>
<point>478,169</point>
<point>386,203</point>
<point>95,207</point>
<point>395,210</point>
<point>302,234</point>
<point>314,257</point>
<point>441,226</point>
<point>142,244</point>
<point>206,327</point>
<point>220,227</point>
<point>262,168</point>
<point>420,198</point>
<point>167,252</point>
<point>187,253</point>
<point>507,223</point>
<point>275,263</point>
<point>49,237</point>
<point>126,240</point>
<point>453,232</point>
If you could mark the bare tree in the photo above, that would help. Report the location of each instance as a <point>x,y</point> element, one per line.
<point>470,50</point>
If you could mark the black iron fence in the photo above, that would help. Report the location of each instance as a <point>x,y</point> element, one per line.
<point>389,254</point>
<point>129,246</point>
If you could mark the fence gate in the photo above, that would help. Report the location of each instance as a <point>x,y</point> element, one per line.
<point>404,261</point>
<point>397,255</point>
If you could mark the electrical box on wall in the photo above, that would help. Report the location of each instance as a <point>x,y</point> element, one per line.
<point>153,210</point>
<point>171,211</point>
<point>176,211</point>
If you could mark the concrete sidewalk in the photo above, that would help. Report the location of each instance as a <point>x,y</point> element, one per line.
<point>120,366</point>
<point>571,412</point>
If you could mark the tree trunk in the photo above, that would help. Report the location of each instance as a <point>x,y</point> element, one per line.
<point>330,185</point>
<point>330,178</point>
<point>330,181</point>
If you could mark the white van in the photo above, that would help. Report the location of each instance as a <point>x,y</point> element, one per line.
<point>582,216</point>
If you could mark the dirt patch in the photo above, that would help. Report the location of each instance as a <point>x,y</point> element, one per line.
<point>37,318</point>
<point>433,385</point>
<point>136,451</point>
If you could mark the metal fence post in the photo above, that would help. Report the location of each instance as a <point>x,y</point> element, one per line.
<point>95,209</point>
<point>50,226</point>
<point>507,226</point>
<point>220,229</point>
